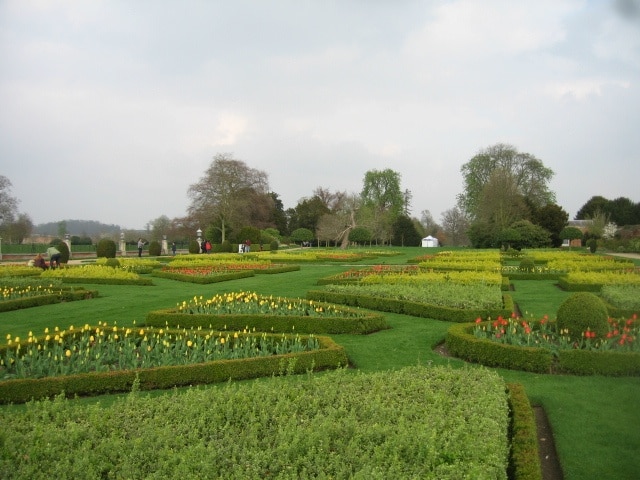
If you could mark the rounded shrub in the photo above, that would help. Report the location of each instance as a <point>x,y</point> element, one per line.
<point>273,246</point>
<point>582,311</point>
<point>527,265</point>
<point>194,246</point>
<point>155,249</point>
<point>226,247</point>
<point>592,243</point>
<point>112,262</point>
<point>106,248</point>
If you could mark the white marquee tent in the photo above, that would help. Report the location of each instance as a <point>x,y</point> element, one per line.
<point>429,241</point>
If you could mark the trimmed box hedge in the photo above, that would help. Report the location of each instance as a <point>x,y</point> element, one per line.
<point>204,279</point>
<point>108,281</point>
<point>412,308</point>
<point>330,355</point>
<point>367,323</point>
<point>48,299</point>
<point>524,458</point>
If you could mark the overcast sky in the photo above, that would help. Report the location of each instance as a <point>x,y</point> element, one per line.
<point>110,110</point>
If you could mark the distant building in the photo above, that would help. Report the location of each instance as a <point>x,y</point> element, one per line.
<point>429,241</point>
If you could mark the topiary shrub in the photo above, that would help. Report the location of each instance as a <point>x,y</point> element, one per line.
<point>112,262</point>
<point>106,248</point>
<point>155,249</point>
<point>593,245</point>
<point>527,265</point>
<point>226,247</point>
<point>64,252</point>
<point>582,311</point>
<point>273,246</point>
<point>194,246</point>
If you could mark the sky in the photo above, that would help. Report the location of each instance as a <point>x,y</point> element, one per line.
<point>110,110</point>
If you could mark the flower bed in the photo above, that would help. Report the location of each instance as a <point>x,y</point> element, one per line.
<point>540,347</point>
<point>96,274</point>
<point>221,272</point>
<point>355,275</point>
<point>135,265</point>
<point>593,281</point>
<point>364,299</point>
<point>105,359</point>
<point>19,271</point>
<point>249,311</point>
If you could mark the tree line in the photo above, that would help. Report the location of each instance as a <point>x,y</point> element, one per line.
<point>506,200</point>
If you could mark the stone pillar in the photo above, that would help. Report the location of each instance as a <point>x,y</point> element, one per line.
<point>165,247</point>
<point>67,240</point>
<point>123,246</point>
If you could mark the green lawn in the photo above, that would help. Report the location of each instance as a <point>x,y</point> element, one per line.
<point>596,420</point>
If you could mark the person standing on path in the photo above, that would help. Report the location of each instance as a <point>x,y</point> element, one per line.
<point>140,247</point>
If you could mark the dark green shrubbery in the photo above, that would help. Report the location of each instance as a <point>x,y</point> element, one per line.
<point>64,252</point>
<point>226,247</point>
<point>582,311</point>
<point>155,249</point>
<point>592,243</point>
<point>273,246</point>
<point>194,247</point>
<point>106,248</point>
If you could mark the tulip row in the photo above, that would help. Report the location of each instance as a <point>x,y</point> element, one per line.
<point>246,303</point>
<point>622,335</point>
<point>106,348</point>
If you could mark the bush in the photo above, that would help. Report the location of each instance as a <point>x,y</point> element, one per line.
<point>593,245</point>
<point>106,248</point>
<point>112,262</point>
<point>64,252</point>
<point>155,249</point>
<point>582,311</point>
<point>194,246</point>
<point>273,246</point>
<point>527,265</point>
<point>225,247</point>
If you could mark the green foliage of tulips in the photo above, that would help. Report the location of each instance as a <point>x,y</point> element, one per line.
<point>417,422</point>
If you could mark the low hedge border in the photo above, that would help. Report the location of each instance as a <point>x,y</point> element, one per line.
<point>412,308</point>
<point>461,343</point>
<point>524,458</point>
<point>534,276</point>
<point>331,355</point>
<point>564,284</point>
<point>108,281</point>
<point>49,299</point>
<point>278,269</point>
<point>203,280</point>
<point>369,323</point>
